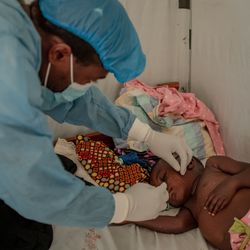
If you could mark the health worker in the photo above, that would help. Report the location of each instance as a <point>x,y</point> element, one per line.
<point>51,51</point>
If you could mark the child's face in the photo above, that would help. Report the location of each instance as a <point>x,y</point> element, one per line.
<point>178,186</point>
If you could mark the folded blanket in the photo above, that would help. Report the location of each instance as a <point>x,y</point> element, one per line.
<point>172,112</point>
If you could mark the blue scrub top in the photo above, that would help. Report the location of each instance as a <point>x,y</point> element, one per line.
<point>32,179</point>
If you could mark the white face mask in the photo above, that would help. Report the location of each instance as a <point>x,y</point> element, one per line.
<point>72,92</point>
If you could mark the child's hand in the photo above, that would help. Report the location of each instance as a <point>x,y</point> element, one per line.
<point>220,197</point>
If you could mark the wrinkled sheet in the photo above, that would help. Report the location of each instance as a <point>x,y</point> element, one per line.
<point>125,237</point>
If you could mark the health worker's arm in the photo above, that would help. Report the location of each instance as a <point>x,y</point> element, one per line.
<point>32,179</point>
<point>95,111</point>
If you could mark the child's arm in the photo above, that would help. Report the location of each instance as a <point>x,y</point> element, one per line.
<point>228,165</point>
<point>239,177</point>
<point>180,223</point>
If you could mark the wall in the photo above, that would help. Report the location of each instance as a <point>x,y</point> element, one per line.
<point>220,67</point>
<point>164,33</point>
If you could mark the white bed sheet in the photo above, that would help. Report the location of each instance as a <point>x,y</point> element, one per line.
<point>124,237</point>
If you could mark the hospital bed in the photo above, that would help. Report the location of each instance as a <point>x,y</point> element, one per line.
<point>125,236</point>
<point>117,237</point>
<point>205,46</point>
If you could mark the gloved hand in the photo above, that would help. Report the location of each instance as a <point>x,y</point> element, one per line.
<point>140,202</point>
<point>163,145</point>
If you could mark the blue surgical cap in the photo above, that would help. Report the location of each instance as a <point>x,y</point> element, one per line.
<point>105,25</point>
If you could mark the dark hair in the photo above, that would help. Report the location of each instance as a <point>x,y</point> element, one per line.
<point>82,50</point>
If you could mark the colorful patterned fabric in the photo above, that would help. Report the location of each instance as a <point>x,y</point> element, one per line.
<point>106,168</point>
<point>146,159</point>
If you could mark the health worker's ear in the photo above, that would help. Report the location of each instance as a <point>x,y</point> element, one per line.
<point>59,55</point>
<point>56,54</point>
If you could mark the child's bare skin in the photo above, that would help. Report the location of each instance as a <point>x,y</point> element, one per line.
<point>210,197</point>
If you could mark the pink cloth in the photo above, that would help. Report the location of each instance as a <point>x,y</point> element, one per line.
<point>236,239</point>
<point>186,105</point>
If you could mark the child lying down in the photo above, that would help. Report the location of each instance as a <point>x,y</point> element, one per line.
<point>216,199</point>
<point>210,198</point>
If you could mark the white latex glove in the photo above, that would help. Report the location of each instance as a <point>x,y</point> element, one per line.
<point>163,145</point>
<point>140,202</point>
